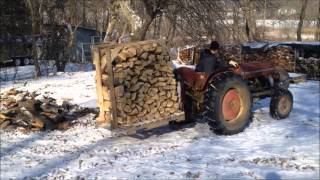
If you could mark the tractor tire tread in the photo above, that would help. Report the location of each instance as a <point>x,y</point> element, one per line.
<point>214,87</point>
<point>274,103</point>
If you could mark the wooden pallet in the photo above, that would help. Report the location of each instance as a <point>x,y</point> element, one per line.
<point>147,125</point>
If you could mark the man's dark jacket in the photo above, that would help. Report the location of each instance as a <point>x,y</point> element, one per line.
<point>208,62</point>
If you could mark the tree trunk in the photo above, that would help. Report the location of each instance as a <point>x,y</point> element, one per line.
<point>125,31</point>
<point>112,17</point>
<point>235,24</point>
<point>112,24</point>
<point>144,29</point>
<point>72,39</point>
<point>301,18</point>
<point>250,18</point>
<point>37,71</point>
<point>172,31</point>
<point>61,65</point>
<point>317,34</point>
<point>35,10</point>
<point>264,19</point>
<point>83,12</point>
<point>159,26</point>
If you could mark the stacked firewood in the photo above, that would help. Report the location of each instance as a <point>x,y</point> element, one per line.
<point>283,57</point>
<point>25,111</point>
<point>309,66</point>
<point>280,56</point>
<point>189,55</point>
<point>230,52</point>
<point>144,85</point>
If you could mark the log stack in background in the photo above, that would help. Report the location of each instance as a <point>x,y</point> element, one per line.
<point>283,57</point>
<point>309,66</point>
<point>230,52</point>
<point>143,82</point>
<point>280,56</point>
<point>189,55</point>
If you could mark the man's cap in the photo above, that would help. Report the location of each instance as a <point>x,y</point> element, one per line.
<point>214,45</point>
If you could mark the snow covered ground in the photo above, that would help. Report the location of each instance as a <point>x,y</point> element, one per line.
<point>267,149</point>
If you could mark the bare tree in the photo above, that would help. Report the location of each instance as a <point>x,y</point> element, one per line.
<point>235,21</point>
<point>317,34</point>
<point>200,21</point>
<point>97,15</point>
<point>180,22</point>
<point>249,9</point>
<point>35,7</point>
<point>301,18</point>
<point>153,8</point>
<point>73,21</point>
<point>113,11</point>
<point>123,11</point>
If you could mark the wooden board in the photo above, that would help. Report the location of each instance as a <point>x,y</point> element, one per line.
<point>101,120</point>
<point>96,61</point>
<point>130,130</point>
<point>114,122</point>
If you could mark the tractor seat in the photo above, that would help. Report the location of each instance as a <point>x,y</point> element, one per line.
<point>194,80</point>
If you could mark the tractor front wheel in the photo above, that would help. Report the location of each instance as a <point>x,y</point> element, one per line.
<point>228,104</point>
<point>281,104</point>
<point>284,80</point>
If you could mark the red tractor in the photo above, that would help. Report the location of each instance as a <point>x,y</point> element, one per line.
<point>225,97</point>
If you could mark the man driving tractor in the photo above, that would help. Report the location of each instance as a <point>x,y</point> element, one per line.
<point>209,62</point>
<point>223,94</point>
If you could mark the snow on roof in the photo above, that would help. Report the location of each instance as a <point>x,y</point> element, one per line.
<point>267,45</point>
<point>255,45</point>
<point>294,43</point>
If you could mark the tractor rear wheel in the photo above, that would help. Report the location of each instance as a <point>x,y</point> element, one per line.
<point>228,104</point>
<point>281,104</point>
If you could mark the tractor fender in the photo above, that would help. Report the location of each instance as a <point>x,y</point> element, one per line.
<point>212,76</point>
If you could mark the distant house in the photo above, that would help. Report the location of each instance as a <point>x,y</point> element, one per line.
<point>17,50</point>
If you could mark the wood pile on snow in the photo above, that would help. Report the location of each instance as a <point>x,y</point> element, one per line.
<point>143,81</point>
<point>280,56</point>
<point>230,52</point>
<point>27,112</point>
<point>309,66</point>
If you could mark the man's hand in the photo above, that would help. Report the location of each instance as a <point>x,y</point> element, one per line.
<point>233,63</point>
